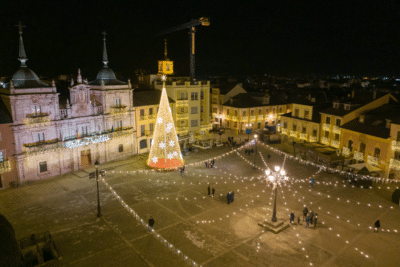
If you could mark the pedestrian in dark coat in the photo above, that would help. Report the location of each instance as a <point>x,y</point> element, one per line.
<point>312,183</point>
<point>307,221</point>
<point>151,223</point>
<point>377,226</point>
<point>181,170</point>
<point>209,189</point>
<point>245,152</point>
<point>315,220</point>
<point>206,164</point>
<point>311,217</point>
<point>228,198</point>
<point>298,220</point>
<point>292,217</point>
<point>305,212</point>
<point>213,191</point>
<point>269,157</point>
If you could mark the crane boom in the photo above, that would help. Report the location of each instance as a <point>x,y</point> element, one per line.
<point>190,25</point>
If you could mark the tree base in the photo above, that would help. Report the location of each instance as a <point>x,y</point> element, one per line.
<point>171,164</point>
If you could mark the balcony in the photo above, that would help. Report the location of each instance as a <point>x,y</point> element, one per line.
<point>325,140</point>
<point>143,118</point>
<point>395,164</point>
<point>336,129</point>
<point>358,155</point>
<point>244,119</point>
<point>372,160</point>
<point>119,132</point>
<point>313,139</point>
<point>182,115</point>
<point>149,133</point>
<point>253,118</point>
<point>346,151</point>
<point>205,127</point>
<point>395,145</point>
<point>182,102</point>
<point>260,117</point>
<point>326,127</point>
<point>182,129</point>
<point>42,146</point>
<point>293,133</point>
<point>228,117</point>
<point>284,130</point>
<point>335,143</point>
<point>214,115</point>
<point>152,117</point>
<point>36,118</point>
<point>63,113</point>
<point>234,118</point>
<point>118,109</point>
<point>5,166</point>
<point>303,136</point>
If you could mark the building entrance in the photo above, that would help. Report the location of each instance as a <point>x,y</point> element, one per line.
<point>86,158</point>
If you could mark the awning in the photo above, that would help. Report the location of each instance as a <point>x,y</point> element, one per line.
<point>370,168</point>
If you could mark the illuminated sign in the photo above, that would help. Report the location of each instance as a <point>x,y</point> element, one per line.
<point>86,141</point>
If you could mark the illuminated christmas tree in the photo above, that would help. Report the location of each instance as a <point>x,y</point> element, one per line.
<point>165,152</point>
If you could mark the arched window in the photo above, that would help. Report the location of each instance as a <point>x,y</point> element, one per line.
<point>143,144</point>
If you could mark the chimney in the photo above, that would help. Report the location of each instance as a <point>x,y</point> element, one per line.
<point>352,93</point>
<point>388,123</point>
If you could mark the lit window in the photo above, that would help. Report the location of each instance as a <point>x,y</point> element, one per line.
<point>194,96</point>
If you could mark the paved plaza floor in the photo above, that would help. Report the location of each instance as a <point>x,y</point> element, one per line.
<point>205,229</point>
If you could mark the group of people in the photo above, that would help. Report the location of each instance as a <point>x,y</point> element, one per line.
<point>210,163</point>
<point>231,142</point>
<point>248,152</point>
<point>309,218</point>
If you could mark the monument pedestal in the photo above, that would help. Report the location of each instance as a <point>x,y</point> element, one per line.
<point>274,227</point>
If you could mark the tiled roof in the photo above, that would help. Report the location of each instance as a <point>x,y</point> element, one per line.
<point>316,116</point>
<point>243,100</point>
<point>360,99</point>
<point>226,87</point>
<point>375,121</point>
<point>5,116</point>
<point>148,98</point>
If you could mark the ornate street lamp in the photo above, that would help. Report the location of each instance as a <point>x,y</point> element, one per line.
<point>276,177</point>
<point>96,164</point>
<point>255,151</point>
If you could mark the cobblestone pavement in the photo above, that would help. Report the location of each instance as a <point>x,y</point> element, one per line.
<point>207,229</point>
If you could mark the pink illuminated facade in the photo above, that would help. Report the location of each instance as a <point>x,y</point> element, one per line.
<point>55,135</point>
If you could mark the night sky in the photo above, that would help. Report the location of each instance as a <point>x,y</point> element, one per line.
<point>245,37</point>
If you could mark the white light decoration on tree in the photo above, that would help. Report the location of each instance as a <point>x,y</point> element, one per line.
<point>165,148</point>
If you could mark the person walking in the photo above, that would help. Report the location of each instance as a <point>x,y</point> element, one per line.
<point>305,212</point>
<point>377,226</point>
<point>311,217</point>
<point>209,189</point>
<point>183,169</point>
<point>291,218</point>
<point>315,220</point>
<point>213,192</point>
<point>245,151</point>
<point>151,223</point>
<point>307,221</point>
<point>312,182</point>
<point>269,157</point>
<point>206,163</point>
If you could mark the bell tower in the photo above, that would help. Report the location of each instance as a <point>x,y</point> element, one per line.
<point>166,66</point>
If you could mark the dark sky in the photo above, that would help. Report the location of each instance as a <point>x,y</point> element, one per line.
<point>245,37</point>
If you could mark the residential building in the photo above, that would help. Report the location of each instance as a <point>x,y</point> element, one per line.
<point>346,110</point>
<point>220,94</point>
<point>243,111</point>
<point>146,109</point>
<point>303,122</point>
<point>373,138</point>
<point>192,99</point>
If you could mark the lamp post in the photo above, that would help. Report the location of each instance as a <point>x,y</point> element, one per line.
<point>276,177</point>
<point>96,164</point>
<point>255,151</point>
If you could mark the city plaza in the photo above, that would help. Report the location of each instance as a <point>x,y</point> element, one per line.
<point>193,229</point>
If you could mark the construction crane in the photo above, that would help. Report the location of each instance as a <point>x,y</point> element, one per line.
<point>191,25</point>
